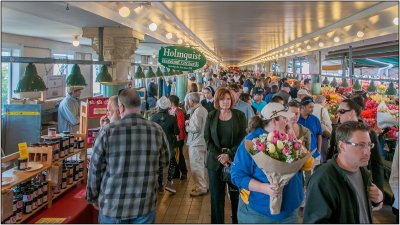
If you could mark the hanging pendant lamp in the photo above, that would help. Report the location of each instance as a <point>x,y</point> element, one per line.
<point>103,76</point>
<point>171,72</point>
<point>158,72</point>
<point>139,73</point>
<point>75,78</point>
<point>31,81</point>
<point>166,73</point>
<point>391,90</point>
<point>150,73</point>
<point>357,86</point>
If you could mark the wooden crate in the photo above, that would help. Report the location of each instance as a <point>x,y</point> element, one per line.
<point>40,154</point>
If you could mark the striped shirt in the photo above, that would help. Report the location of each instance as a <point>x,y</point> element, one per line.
<point>124,167</point>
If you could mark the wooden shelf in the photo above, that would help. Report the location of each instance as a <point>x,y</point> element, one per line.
<point>76,151</point>
<point>20,176</point>
<point>69,186</point>
<point>26,216</point>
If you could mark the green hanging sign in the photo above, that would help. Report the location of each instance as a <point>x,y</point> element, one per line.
<point>181,58</point>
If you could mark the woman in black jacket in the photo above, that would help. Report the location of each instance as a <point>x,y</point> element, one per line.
<point>224,130</point>
<point>349,110</point>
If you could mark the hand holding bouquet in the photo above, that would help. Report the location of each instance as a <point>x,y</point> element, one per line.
<point>280,156</point>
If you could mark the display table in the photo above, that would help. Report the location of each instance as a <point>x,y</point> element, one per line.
<point>72,206</point>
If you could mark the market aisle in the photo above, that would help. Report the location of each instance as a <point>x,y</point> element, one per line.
<point>181,208</point>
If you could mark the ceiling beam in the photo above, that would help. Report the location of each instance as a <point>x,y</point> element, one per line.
<point>100,10</point>
<point>349,20</point>
<point>178,22</point>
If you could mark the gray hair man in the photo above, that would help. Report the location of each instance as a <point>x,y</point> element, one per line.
<point>197,144</point>
<point>123,171</point>
<point>112,111</point>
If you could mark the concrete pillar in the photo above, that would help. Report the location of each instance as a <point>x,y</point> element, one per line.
<point>119,45</point>
<point>180,87</point>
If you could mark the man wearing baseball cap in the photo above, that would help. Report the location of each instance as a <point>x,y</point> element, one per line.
<point>256,190</point>
<point>170,127</point>
<point>68,111</point>
<point>257,102</point>
<point>284,92</point>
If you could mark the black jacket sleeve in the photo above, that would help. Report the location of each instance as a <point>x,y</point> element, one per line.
<point>375,164</point>
<point>332,146</point>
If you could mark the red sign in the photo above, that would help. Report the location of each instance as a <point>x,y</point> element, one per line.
<point>97,107</point>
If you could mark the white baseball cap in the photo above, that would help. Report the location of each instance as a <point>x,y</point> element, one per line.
<point>163,103</point>
<point>303,92</point>
<point>274,109</point>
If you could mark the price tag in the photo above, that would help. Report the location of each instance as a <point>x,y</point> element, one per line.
<point>23,150</point>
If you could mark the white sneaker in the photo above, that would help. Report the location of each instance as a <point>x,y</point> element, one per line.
<point>169,187</point>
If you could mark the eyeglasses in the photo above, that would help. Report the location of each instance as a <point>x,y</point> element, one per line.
<point>343,111</point>
<point>361,145</point>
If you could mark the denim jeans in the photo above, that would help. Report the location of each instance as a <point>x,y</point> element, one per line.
<point>248,215</point>
<point>148,218</point>
<point>217,194</point>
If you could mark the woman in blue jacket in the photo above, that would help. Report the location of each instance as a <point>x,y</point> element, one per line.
<point>255,189</point>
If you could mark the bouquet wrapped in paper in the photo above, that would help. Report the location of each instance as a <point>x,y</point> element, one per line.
<point>280,156</point>
<point>385,117</point>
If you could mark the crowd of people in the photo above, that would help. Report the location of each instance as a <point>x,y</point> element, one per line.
<point>134,158</point>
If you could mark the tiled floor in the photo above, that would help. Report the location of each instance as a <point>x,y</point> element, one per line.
<point>180,208</point>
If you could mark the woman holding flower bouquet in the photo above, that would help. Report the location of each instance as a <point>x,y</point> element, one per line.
<point>224,130</point>
<point>256,191</point>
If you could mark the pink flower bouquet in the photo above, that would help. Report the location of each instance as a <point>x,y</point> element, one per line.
<point>280,156</point>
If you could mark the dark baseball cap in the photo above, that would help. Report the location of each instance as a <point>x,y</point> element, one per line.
<point>286,84</point>
<point>306,100</point>
<point>258,91</point>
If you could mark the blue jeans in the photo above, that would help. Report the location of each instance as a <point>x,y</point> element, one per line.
<point>248,215</point>
<point>148,218</point>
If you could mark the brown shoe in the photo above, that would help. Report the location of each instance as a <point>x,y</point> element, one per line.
<point>197,192</point>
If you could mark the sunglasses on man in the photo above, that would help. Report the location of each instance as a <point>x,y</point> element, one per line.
<point>343,111</point>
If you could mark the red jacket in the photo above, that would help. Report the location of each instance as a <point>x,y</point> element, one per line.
<point>180,118</point>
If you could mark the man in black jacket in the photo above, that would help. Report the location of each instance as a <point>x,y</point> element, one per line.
<point>341,190</point>
<point>350,111</point>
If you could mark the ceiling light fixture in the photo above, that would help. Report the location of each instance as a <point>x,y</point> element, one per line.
<point>168,35</point>
<point>180,41</point>
<point>396,21</point>
<point>321,44</point>
<point>75,42</point>
<point>124,11</point>
<point>299,49</point>
<point>31,81</point>
<point>286,53</point>
<point>308,47</point>
<point>336,39</point>
<point>360,34</point>
<point>292,50</point>
<point>153,27</point>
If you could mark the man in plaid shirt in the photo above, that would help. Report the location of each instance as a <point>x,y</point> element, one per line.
<point>123,172</point>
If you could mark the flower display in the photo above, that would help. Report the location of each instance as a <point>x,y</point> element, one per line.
<point>274,79</point>
<point>381,89</point>
<point>393,133</point>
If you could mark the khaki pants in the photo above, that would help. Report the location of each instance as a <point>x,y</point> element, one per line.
<point>197,159</point>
